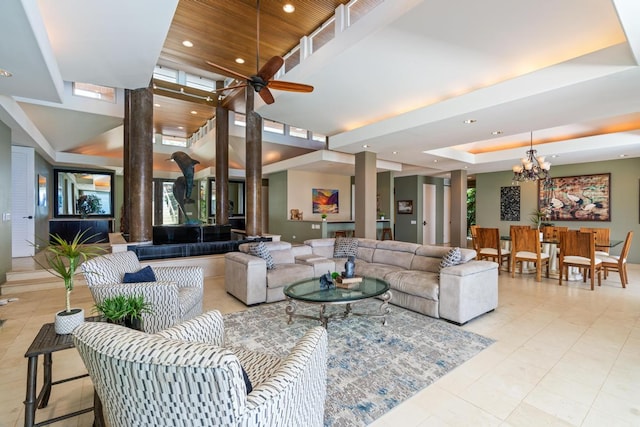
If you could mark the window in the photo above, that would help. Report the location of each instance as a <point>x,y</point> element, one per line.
<point>166,74</point>
<point>271,126</point>
<point>298,132</point>
<point>88,90</point>
<point>240,120</point>
<point>319,137</point>
<point>174,141</point>
<point>200,82</point>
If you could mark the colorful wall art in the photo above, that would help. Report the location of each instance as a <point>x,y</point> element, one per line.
<point>325,201</point>
<point>577,198</point>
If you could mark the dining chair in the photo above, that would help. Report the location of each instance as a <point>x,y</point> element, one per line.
<point>551,233</point>
<point>602,239</point>
<point>489,247</point>
<point>619,263</point>
<point>474,237</point>
<point>525,247</point>
<point>577,249</point>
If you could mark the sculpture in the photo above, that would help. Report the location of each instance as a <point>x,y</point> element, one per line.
<point>187,166</point>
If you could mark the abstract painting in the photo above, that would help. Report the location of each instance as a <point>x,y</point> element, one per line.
<point>510,203</point>
<point>325,201</point>
<point>577,198</point>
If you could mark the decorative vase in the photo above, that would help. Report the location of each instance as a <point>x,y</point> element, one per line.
<point>128,322</point>
<point>349,267</point>
<point>67,321</point>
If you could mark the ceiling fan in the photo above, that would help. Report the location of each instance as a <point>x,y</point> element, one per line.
<point>262,81</point>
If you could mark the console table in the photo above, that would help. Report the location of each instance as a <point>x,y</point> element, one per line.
<point>45,344</point>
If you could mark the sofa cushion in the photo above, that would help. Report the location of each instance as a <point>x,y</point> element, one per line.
<point>285,274</point>
<point>452,257</point>
<point>260,250</point>
<point>425,263</point>
<point>321,247</point>
<point>418,283</point>
<point>372,269</point>
<point>143,275</point>
<point>395,253</point>
<point>345,247</point>
<point>440,251</point>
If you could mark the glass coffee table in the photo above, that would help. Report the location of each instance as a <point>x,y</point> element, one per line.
<point>308,291</point>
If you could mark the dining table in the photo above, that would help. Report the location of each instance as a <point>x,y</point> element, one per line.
<point>550,247</point>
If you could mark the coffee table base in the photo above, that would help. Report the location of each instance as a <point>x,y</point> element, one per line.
<point>323,317</point>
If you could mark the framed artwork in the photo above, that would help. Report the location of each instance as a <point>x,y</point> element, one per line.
<point>325,201</point>
<point>577,198</point>
<point>42,190</point>
<point>510,203</point>
<point>405,206</point>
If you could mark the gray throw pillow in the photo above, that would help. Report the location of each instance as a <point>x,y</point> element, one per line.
<point>345,247</point>
<point>453,257</point>
<point>260,250</point>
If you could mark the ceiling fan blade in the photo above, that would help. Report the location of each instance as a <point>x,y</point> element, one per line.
<point>228,71</point>
<point>269,69</point>
<point>266,95</point>
<point>289,86</point>
<point>231,87</point>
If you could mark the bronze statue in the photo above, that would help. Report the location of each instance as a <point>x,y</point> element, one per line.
<point>187,166</point>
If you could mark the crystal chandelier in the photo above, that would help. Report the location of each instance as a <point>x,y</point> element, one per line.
<point>532,168</point>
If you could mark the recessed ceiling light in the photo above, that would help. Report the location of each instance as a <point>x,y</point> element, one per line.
<point>289,8</point>
<point>435,161</point>
<point>187,43</point>
<point>496,132</point>
<point>156,105</point>
<point>239,60</point>
<point>365,146</point>
<point>469,121</point>
<point>180,127</point>
<point>5,73</point>
<point>395,152</point>
<point>466,167</point>
<point>553,156</point>
<point>194,112</point>
<point>623,155</point>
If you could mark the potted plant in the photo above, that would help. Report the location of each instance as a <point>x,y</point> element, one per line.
<point>88,204</point>
<point>125,310</point>
<point>323,216</point>
<point>381,215</point>
<point>62,259</point>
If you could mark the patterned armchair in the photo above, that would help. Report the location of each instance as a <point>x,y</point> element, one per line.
<point>175,296</point>
<point>184,377</point>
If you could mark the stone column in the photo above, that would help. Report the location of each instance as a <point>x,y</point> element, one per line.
<point>222,165</point>
<point>459,208</point>
<point>138,173</point>
<point>253,168</point>
<point>366,190</point>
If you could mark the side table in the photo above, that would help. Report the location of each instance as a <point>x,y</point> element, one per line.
<point>46,343</point>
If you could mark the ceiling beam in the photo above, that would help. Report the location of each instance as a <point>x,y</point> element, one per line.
<point>184,93</point>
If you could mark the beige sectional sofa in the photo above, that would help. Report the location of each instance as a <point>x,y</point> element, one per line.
<point>457,293</point>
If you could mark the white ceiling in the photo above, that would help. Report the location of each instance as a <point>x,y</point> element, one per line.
<point>404,78</point>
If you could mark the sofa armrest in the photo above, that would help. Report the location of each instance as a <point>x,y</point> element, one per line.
<point>245,277</point>
<point>468,290</point>
<point>187,276</point>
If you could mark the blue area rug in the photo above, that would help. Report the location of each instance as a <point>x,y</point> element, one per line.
<point>371,367</point>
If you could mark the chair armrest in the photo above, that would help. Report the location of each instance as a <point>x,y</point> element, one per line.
<point>301,377</point>
<point>245,277</point>
<point>162,297</point>
<point>188,276</point>
<point>206,328</point>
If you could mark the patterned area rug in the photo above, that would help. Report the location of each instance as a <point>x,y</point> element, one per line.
<point>371,367</point>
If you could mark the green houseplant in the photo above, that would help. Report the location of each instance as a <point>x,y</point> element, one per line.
<point>62,259</point>
<point>125,310</point>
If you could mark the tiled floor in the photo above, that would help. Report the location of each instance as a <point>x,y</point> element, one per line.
<point>563,356</point>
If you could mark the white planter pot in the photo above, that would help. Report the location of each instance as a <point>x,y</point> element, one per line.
<point>67,322</point>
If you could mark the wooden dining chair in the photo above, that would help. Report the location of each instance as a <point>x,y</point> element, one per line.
<point>551,233</point>
<point>489,247</point>
<point>474,237</point>
<point>525,247</point>
<point>602,239</point>
<point>619,263</point>
<point>578,249</point>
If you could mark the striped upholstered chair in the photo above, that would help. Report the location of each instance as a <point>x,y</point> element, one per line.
<point>175,295</point>
<point>184,376</point>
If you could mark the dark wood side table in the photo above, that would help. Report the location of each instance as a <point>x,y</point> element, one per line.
<point>45,344</point>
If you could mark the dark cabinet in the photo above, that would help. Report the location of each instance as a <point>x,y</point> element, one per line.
<point>68,229</point>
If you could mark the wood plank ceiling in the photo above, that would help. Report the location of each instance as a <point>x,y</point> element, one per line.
<point>221,31</point>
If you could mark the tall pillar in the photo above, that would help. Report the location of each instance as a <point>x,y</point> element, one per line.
<point>138,172</point>
<point>253,167</point>
<point>459,208</point>
<point>222,165</point>
<point>366,190</point>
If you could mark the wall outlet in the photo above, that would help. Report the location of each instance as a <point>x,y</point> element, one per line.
<point>6,216</point>
<point>414,222</point>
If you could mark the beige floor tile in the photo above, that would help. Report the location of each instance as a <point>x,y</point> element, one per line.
<point>526,415</point>
<point>596,418</point>
<point>627,409</point>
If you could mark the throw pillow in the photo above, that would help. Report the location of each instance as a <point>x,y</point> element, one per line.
<point>260,250</point>
<point>144,275</point>
<point>453,257</point>
<point>247,381</point>
<point>345,247</point>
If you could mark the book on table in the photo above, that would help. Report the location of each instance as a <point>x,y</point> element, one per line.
<point>348,282</point>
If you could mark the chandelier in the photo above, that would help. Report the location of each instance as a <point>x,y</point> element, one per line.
<point>532,168</point>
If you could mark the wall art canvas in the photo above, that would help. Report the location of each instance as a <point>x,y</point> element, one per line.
<point>510,203</point>
<point>405,206</point>
<point>577,198</point>
<point>325,201</point>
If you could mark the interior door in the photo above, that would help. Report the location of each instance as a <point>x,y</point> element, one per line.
<point>428,214</point>
<point>23,201</point>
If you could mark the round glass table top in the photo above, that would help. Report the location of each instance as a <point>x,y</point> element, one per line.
<point>309,290</point>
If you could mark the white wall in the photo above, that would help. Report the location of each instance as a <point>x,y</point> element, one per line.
<point>299,193</point>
